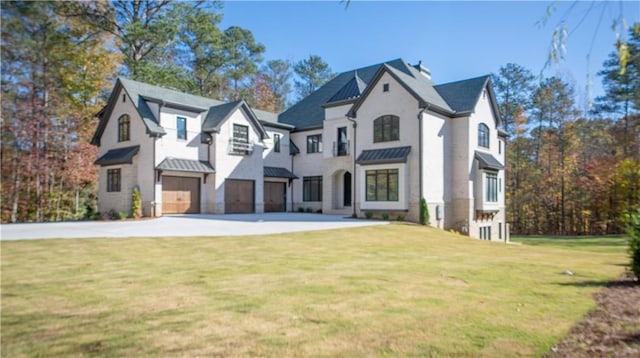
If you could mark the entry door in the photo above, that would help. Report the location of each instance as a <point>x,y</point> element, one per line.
<point>180,195</point>
<point>274,197</point>
<point>239,196</point>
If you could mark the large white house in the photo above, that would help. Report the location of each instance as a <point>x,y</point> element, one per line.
<point>375,139</point>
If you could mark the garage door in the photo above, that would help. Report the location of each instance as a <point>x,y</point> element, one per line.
<point>180,195</point>
<point>274,197</point>
<point>238,196</point>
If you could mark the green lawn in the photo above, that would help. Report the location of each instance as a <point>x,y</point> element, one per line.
<point>396,290</point>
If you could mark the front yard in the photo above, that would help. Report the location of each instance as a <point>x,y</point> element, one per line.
<point>385,290</point>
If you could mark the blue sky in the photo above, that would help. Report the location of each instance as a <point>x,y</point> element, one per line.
<point>455,40</point>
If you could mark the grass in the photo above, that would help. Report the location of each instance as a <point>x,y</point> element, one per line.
<point>394,290</point>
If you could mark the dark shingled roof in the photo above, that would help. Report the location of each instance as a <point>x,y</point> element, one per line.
<point>185,165</point>
<point>218,114</point>
<point>462,96</point>
<point>277,172</point>
<point>381,156</point>
<point>309,113</point>
<point>488,161</point>
<point>118,156</point>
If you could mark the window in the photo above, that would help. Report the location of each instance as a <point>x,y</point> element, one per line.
<point>240,140</point>
<point>113,180</point>
<point>385,87</point>
<point>314,143</point>
<point>386,128</point>
<point>499,147</point>
<point>483,135</point>
<point>491,190</point>
<point>343,142</point>
<point>485,233</point>
<point>499,231</point>
<point>181,126</point>
<point>312,188</point>
<point>382,185</point>
<point>276,143</point>
<point>124,98</point>
<point>124,125</point>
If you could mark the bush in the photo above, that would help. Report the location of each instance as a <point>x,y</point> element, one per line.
<point>633,230</point>
<point>400,218</point>
<point>319,211</point>
<point>309,210</point>
<point>368,215</point>
<point>424,212</point>
<point>136,204</point>
<point>122,215</point>
<point>385,216</point>
<point>301,209</point>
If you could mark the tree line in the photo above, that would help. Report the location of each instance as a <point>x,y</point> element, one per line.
<point>571,171</point>
<point>59,61</point>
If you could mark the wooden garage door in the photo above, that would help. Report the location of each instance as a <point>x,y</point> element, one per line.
<point>274,196</point>
<point>180,195</point>
<point>238,196</point>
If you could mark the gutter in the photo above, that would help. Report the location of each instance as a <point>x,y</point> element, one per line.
<point>420,169</point>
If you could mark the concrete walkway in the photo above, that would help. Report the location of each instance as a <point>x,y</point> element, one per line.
<point>183,225</point>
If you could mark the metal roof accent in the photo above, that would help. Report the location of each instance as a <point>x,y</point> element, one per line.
<point>185,165</point>
<point>277,172</point>
<point>353,89</point>
<point>488,161</point>
<point>118,156</point>
<point>382,156</point>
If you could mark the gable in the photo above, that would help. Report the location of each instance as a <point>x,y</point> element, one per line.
<point>218,115</point>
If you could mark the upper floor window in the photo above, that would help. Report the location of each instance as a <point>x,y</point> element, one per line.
<point>124,128</point>
<point>181,126</point>
<point>491,189</point>
<point>113,180</point>
<point>342,146</point>
<point>314,143</point>
<point>386,128</point>
<point>240,140</point>
<point>276,143</point>
<point>483,135</point>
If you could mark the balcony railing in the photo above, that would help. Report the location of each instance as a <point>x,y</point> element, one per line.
<point>240,147</point>
<point>340,149</point>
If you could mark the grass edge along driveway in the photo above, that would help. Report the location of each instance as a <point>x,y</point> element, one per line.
<point>400,290</point>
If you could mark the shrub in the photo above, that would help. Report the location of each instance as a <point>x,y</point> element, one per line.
<point>400,218</point>
<point>122,215</point>
<point>319,211</point>
<point>136,204</point>
<point>309,210</point>
<point>633,230</point>
<point>424,212</point>
<point>301,209</point>
<point>368,215</point>
<point>385,216</point>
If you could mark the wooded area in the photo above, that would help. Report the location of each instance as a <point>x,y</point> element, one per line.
<point>569,171</point>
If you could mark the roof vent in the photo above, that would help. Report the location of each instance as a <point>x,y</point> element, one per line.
<point>423,70</point>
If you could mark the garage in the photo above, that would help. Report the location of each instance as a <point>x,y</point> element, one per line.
<point>274,197</point>
<point>180,195</point>
<point>239,196</point>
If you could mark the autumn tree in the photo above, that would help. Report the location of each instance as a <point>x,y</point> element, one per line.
<point>277,74</point>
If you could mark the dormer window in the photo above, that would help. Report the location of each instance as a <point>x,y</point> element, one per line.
<point>385,87</point>
<point>483,135</point>
<point>124,128</point>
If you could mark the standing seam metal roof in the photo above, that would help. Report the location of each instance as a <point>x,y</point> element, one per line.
<point>185,165</point>
<point>386,155</point>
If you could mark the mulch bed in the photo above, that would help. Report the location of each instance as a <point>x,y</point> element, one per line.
<point>612,329</point>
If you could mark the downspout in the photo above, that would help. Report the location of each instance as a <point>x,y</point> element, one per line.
<point>420,191</point>
<point>353,176</point>
<point>291,181</point>
<point>153,165</point>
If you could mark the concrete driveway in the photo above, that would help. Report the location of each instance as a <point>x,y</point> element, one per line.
<point>184,225</point>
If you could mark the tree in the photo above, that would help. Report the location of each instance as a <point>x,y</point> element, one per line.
<point>312,73</point>
<point>54,72</point>
<point>243,52</point>
<point>513,85</point>
<point>277,74</point>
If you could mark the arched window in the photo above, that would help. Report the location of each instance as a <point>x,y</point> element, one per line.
<point>386,128</point>
<point>483,135</point>
<point>124,127</point>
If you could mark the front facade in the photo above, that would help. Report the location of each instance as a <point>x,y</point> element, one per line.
<point>372,141</point>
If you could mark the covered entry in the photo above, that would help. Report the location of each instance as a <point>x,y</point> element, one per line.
<point>275,197</point>
<point>239,196</point>
<point>180,195</point>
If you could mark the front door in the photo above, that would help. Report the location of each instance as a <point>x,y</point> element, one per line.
<point>346,185</point>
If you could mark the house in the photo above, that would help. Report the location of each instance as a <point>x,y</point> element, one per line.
<point>372,140</point>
